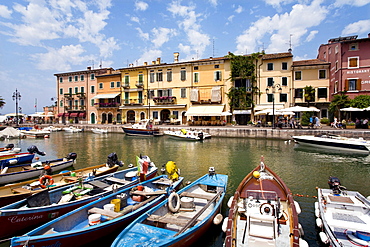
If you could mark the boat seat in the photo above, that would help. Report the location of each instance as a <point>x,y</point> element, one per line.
<point>117,180</point>
<point>21,190</point>
<point>26,168</point>
<point>261,226</point>
<point>70,179</point>
<point>151,193</point>
<point>167,219</point>
<point>196,195</point>
<point>99,184</point>
<point>108,213</point>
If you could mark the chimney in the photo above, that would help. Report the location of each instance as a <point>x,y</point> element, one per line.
<point>89,68</point>
<point>159,60</point>
<point>368,35</point>
<point>153,62</point>
<point>176,57</point>
<point>145,63</point>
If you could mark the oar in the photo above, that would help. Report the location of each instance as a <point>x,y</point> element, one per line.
<point>191,222</point>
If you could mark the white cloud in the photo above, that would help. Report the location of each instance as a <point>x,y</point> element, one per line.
<point>144,36</point>
<point>197,40</point>
<point>277,3</point>
<point>213,2</point>
<point>358,27</point>
<point>230,18</point>
<point>140,5</point>
<point>278,28</point>
<point>357,3</point>
<point>5,12</point>
<point>135,19</point>
<point>162,35</point>
<point>149,55</point>
<point>311,35</point>
<point>239,9</point>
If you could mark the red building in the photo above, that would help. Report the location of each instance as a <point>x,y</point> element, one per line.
<point>349,59</point>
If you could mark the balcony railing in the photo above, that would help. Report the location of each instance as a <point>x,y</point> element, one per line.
<point>139,84</point>
<point>133,101</point>
<point>81,95</point>
<point>126,85</point>
<point>165,100</point>
<point>107,105</point>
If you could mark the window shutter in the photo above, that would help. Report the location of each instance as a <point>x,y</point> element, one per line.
<point>194,95</point>
<point>358,84</point>
<point>346,85</point>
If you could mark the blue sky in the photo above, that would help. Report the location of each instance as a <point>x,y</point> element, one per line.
<point>42,37</point>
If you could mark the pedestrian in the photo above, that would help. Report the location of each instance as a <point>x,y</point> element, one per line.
<point>317,122</point>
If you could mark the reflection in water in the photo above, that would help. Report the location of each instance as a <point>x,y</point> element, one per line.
<point>302,170</point>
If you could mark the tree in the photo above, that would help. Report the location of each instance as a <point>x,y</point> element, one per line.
<point>361,101</point>
<point>309,94</point>
<point>2,102</point>
<point>339,101</point>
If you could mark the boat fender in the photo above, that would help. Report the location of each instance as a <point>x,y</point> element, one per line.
<point>46,180</point>
<point>224,224</point>
<point>217,219</point>
<point>317,213</point>
<point>174,202</point>
<point>13,162</point>
<point>303,243</point>
<point>324,238</point>
<point>4,170</point>
<point>266,209</point>
<point>297,207</point>
<point>300,228</point>
<point>230,201</point>
<point>319,223</point>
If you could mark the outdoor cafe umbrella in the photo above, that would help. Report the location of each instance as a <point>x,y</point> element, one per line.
<point>301,109</point>
<point>352,109</point>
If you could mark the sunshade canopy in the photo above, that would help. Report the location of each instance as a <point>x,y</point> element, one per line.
<point>106,96</point>
<point>209,110</point>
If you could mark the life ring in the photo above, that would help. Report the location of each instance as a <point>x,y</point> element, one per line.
<point>266,209</point>
<point>171,206</point>
<point>43,182</point>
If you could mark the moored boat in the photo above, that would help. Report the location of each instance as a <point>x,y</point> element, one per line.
<point>335,142</point>
<point>101,219</point>
<point>72,129</point>
<point>52,128</point>
<point>143,128</point>
<point>36,133</point>
<point>188,135</point>
<point>181,219</point>
<point>262,212</point>
<point>8,158</point>
<point>99,131</point>
<point>26,214</point>
<point>14,192</point>
<point>343,217</point>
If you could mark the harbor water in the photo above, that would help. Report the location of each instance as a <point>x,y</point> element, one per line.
<point>302,169</point>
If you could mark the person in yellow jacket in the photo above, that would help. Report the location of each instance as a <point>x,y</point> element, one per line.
<point>172,170</point>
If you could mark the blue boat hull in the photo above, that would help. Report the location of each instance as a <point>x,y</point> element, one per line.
<point>20,159</point>
<point>140,132</point>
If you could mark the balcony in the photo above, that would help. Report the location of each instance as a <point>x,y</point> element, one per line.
<point>165,100</point>
<point>68,95</point>
<point>126,85</point>
<point>107,105</point>
<point>81,95</point>
<point>139,84</point>
<point>128,102</point>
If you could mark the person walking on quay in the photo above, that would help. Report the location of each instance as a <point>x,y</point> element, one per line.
<point>317,122</point>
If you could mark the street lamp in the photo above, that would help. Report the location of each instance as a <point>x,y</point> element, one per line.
<point>16,96</point>
<point>273,87</point>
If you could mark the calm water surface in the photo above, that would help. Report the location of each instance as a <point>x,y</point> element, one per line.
<point>301,169</point>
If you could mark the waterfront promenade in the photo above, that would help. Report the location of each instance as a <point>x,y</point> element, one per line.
<point>242,131</point>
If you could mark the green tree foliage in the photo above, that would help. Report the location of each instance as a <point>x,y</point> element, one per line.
<point>309,94</point>
<point>339,101</point>
<point>361,101</point>
<point>2,102</point>
<point>238,98</point>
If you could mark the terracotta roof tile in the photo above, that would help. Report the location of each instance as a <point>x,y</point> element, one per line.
<point>309,62</point>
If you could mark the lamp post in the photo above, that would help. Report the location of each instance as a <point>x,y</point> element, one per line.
<point>273,87</point>
<point>16,96</point>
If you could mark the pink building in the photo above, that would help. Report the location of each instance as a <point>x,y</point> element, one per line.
<point>349,59</point>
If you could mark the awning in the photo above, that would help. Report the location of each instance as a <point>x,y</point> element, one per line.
<point>242,112</point>
<point>106,96</point>
<point>210,110</point>
<point>66,114</point>
<point>82,114</point>
<point>73,114</point>
<point>60,114</point>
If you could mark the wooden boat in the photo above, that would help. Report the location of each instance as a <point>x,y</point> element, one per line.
<point>14,192</point>
<point>343,217</point>
<point>72,129</point>
<point>11,174</point>
<point>262,212</point>
<point>36,133</point>
<point>79,227</point>
<point>179,224</point>
<point>188,135</point>
<point>8,158</point>
<point>143,128</point>
<point>335,142</point>
<point>26,214</point>
<point>99,131</point>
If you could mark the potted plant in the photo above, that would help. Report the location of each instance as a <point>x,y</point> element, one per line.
<point>350,126</point>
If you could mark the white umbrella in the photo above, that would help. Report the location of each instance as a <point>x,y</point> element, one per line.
<point>367,109</point>
<point>352,109</point>
<point>300,109</point>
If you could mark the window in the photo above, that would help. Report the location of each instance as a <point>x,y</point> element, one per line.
<point>76,104</point>
<point>141,78</point>
<point>92,89</point>
<point>176,113</point>
<point>298,93</point>
<point>60,90</point>
<point>217,66</point>
<point>118,84</point>
<point>270,97</point>
<point>127,79</point>
<point>322,92</point>
<point>270,82</point>
<point>284,81</point>
<point>324,113</point>
<point>336,49</point>
<point>82,102</point>
<point>270,66</point>
<point>151,94</point>
<point>159,76</point>
<point>82,77</point>
<point>160,93</point>
<point>82,90</point>
<point>112,84</point>
<point>352,62</point>
<point>183,75</point>
<point>76,77</point>
<point>196,67</point>
<point>92,102</point>
<point>69,78</point>
<point>76,90</point>
<point>92,76</point>
<point>322,74</point>
<point>155,114</point>
<point>196,77</point>
<point>283,97</point>
<point>100,85</point>
<point>284,66</point>
<point>298,75</point>
<point>336,65</point>
<point>183,92</point>
<point>151,77</point>
<point>70,90</point>
<point>169,75</point>
<point>353,47</point>
<point>61,103</point>
<point>352,84</point>
<point>60,79</point>
<point>217,75</point>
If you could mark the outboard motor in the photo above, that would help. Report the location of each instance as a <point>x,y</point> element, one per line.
<point>113,160</point>
<point>334,184</point>
<point>33,149</point>
<point>71,156</point>
<point>9,146</point>
<point>200,135</point>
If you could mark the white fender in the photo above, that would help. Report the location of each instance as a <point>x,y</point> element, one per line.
<point>303,243</point>
<point>318,222</point>
<point>324,238</point>
<point>175,208</point>
<point>300,228</point>
<point>224,224</point>
<point>297,207</point>
<point>13,162</point>
<point>316,205</point>
<point>217,219</point>
<point>230,201</point>
<point>317,213</point>
<point>4,170</point>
